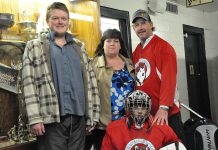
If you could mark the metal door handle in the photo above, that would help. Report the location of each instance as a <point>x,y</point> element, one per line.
<point>191,69</point>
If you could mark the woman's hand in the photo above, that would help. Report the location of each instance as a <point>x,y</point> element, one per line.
<point>89,129</point>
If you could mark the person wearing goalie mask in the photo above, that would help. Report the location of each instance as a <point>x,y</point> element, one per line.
<point>136,130</point>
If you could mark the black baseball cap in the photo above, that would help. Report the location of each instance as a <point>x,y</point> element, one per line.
<point>140,14</point>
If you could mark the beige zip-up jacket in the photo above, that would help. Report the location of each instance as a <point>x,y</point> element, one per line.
<point>104,76</point>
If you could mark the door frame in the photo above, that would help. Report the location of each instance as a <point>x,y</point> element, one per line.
<point>124,24</point>
<point>202,63</point>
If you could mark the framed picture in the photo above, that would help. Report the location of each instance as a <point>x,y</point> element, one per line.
<point>190,3</point>
<point>10,65</point>
<point>9,79</point>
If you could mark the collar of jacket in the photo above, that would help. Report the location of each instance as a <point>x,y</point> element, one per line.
<point>101,61</point>
<point>51,36</point>
<point>44,35</point>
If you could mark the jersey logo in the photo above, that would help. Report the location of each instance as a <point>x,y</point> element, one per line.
<point>143,70</point>
<point>139,144</point>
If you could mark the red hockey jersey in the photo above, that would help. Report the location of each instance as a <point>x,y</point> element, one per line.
<point>156,72</point>
<point>119,137</point>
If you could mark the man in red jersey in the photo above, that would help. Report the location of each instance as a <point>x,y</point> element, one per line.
<point>136,131</point>
<point>156,73</point>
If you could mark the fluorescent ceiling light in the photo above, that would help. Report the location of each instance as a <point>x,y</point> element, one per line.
<point>81,17</point>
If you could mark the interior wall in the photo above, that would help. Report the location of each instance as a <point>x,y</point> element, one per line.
<point>169,26</point>
<point>211,45</point>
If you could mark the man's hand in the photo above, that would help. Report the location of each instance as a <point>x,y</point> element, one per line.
<point>161,117</point>
<point>38,129</point>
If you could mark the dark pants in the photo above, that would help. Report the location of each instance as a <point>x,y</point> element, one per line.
<point>95,139</point>
<point>69,134</point>
<point>176,124</point>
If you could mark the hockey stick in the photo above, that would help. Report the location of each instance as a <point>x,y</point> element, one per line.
<point>194,112</point>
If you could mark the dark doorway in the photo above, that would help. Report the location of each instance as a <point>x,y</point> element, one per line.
<point>196,69</point>
<point>124,23</point>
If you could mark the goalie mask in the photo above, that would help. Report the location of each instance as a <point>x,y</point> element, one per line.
<point>138,107</point>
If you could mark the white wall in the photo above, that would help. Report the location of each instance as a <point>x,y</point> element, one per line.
<point>211,44</point>
<point>170,27</point>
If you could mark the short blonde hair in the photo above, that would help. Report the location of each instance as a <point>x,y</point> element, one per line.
<point>56,5</point>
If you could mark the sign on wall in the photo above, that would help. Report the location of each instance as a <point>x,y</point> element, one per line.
<point>190,3</point>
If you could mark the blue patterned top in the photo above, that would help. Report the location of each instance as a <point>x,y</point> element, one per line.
<point>122,84</point>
